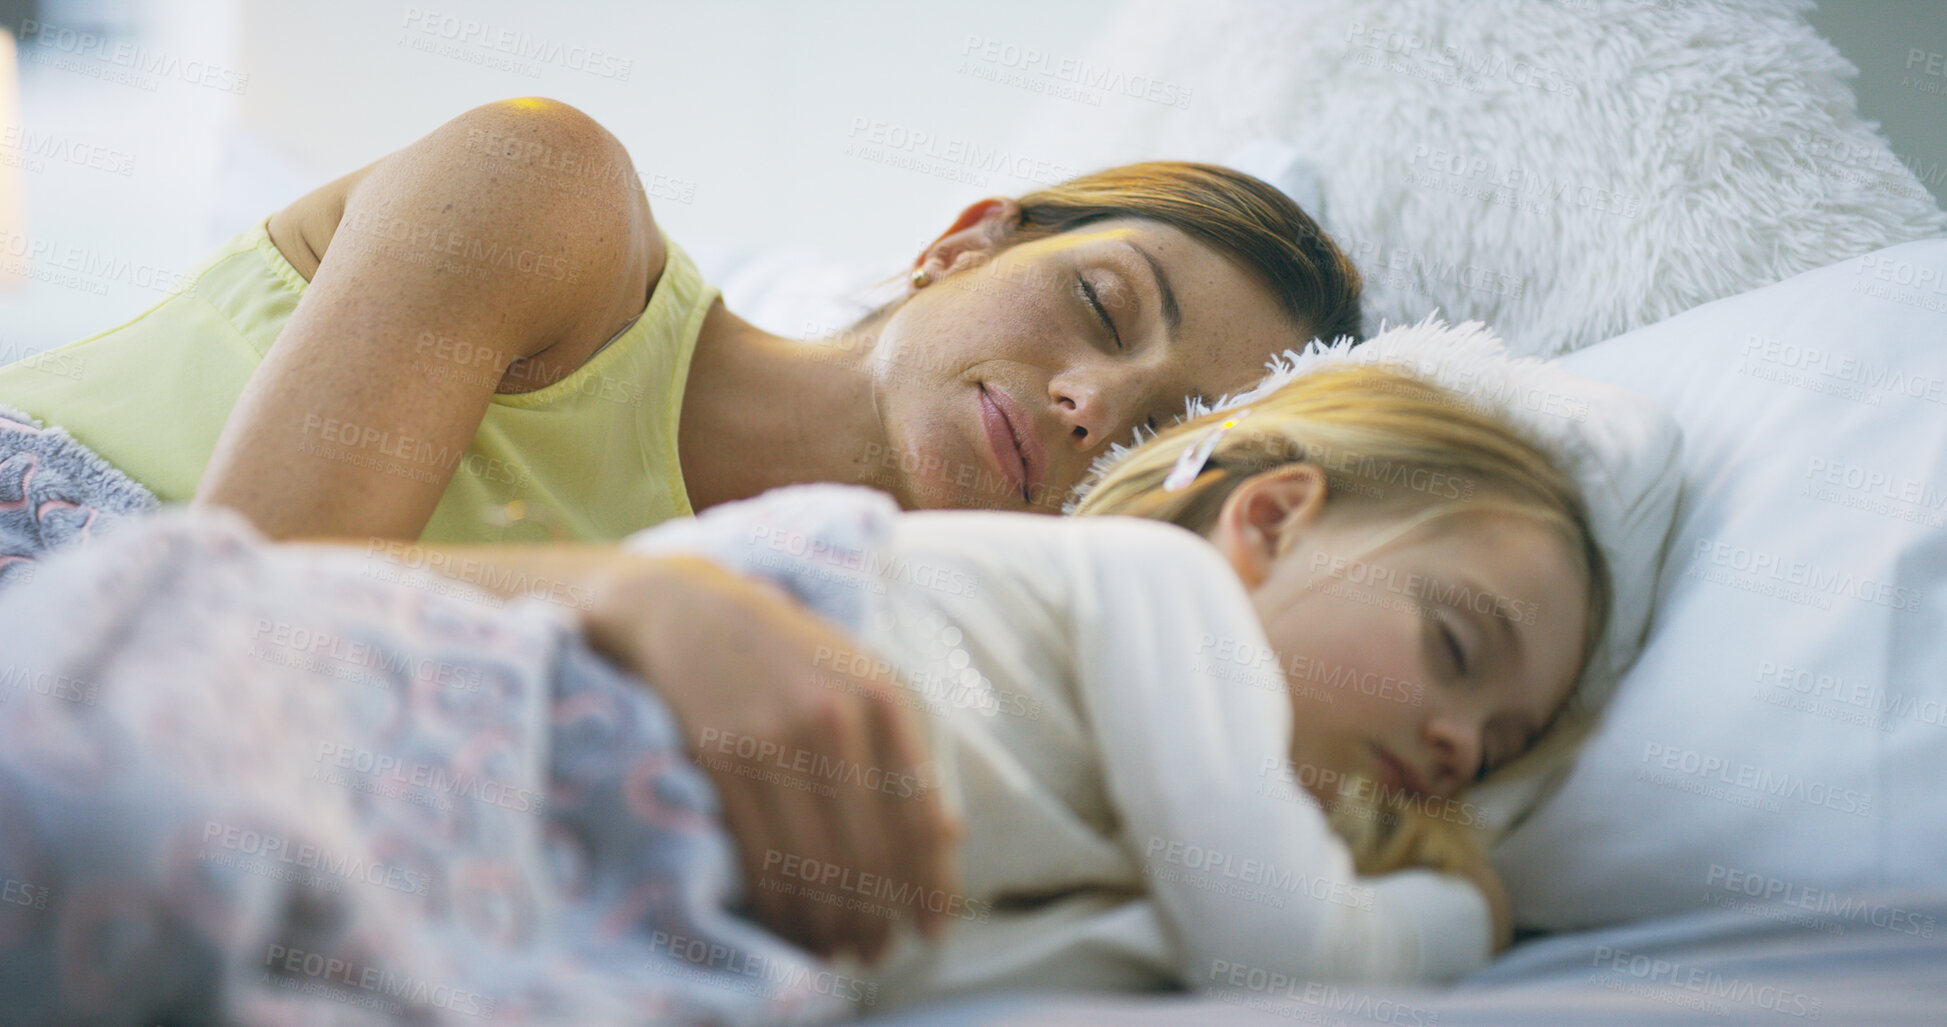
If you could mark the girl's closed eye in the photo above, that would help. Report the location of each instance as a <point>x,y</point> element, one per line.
<point>1456,651</point>
<point>1450,647</point>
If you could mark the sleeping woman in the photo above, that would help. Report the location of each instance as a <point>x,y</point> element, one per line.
<point>485,337</point>
<point>270,781</point>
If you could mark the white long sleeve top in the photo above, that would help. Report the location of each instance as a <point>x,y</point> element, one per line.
<point>1130,823</point>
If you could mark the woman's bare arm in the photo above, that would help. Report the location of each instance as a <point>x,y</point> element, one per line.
<point>354,423</point>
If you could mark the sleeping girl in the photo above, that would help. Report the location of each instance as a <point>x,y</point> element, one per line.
<point>1140,728</point>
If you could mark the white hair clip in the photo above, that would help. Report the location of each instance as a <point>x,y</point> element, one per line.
<point>1190,464</point>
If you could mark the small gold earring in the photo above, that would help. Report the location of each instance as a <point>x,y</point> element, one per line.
<point>921,278</point>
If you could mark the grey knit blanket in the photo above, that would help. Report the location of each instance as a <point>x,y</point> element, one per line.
<point>55,493</point>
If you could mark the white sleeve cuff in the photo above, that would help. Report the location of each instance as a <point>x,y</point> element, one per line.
<point>1456,926</point>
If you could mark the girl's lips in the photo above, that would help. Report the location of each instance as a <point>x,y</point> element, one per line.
<point>1397,775</point>
<point>1014,450</point>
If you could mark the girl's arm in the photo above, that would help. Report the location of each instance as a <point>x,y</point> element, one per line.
<point>450,260</point>
<point>1189,709</point>
<point>736,658</point>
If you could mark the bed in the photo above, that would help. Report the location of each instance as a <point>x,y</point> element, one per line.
<point>1708,967</point>
<point>1751,830</point>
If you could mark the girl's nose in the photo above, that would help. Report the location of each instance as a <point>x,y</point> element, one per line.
<point>1455,736</point>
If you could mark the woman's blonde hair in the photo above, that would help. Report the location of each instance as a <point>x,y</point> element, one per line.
<point>1248,220</point>
<point>1399,444</point>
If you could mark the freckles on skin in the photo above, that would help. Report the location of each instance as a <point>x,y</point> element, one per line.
<point>974,326</point>
<point>932,357</point>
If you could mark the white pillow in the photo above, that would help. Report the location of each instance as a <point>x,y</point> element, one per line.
<point>1784,734</point>
<point>1562,171</point>
<point>804,293</point>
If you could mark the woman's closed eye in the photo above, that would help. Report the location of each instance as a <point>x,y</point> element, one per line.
<point>1093,298</point>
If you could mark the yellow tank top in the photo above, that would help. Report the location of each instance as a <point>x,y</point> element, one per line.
<point>591,457</point>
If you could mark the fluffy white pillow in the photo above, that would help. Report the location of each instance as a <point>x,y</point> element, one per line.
<point>1784,734</point>
<point>1562,171</point>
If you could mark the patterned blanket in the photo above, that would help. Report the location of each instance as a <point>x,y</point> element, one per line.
<point>264,785</point>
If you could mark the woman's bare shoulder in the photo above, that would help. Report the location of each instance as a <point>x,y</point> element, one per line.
<point>522,174</point>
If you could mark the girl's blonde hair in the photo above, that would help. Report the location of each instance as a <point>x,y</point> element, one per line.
<point>1403,447</point>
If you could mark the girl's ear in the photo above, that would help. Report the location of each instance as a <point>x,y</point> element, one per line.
<point>1265,515</point>
<point>977,230</point>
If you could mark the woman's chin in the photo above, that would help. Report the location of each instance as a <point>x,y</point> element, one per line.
<point>950,495</point>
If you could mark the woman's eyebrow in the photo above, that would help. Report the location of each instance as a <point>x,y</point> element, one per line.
<point>1172,314</point>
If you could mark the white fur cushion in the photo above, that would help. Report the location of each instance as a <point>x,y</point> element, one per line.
<point>1562,171</point>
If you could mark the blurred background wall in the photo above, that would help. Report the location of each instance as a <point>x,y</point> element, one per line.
<point>150,130</point>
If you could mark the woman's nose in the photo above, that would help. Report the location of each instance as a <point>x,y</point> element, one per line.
<point>1090,410</point>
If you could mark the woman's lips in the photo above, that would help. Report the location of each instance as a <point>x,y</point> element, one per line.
<point>1014,449</point>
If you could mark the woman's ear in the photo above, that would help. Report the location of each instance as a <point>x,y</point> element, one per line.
<point>978,230</point>
<point>1264,516</point>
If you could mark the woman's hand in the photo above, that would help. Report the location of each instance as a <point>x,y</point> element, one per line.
<point>792,747</point>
